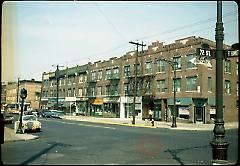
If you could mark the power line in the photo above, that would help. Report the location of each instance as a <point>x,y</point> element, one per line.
<point>168,31</point>
<point>110,22</point>
<point>187,26</point>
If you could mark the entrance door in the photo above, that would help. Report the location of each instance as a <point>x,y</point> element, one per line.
<point>199,114</point>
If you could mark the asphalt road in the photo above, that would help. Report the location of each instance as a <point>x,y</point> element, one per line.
<point>71,142</point>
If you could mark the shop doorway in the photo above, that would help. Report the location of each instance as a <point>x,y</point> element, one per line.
<point>199,114</point>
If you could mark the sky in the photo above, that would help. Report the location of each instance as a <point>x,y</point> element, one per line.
<point>38,35</point>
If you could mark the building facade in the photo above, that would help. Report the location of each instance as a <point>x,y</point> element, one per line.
<point>3,96</point>
<point>105,88</point>
<point>33,93</point>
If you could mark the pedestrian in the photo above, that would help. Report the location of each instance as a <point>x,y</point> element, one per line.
<point>150,113</point>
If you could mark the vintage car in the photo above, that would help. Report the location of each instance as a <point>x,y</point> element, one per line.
<point>57,114</point>
<point>8,119</point>
<point>29,123</point>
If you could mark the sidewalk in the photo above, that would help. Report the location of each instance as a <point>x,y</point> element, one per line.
<point>10,135</point>
<point>157,124</point>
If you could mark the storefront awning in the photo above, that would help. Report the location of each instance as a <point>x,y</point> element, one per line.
<point>50,105</point>
<point>97,102</point>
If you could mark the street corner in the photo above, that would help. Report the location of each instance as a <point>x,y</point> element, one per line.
<point>11,136</point>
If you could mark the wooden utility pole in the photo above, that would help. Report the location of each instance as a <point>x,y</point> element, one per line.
<point>135,80</point>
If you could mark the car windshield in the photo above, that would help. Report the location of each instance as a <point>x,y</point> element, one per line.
<point>29,118</point>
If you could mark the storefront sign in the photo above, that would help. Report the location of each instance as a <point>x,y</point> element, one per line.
<point>184,110</point>
<point>212,111</point>
<point>70,99</point>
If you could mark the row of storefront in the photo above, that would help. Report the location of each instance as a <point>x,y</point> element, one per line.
<point>187,109</point>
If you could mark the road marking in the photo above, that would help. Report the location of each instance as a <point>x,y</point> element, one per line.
<point>97,126</point>
<point>84,125</point>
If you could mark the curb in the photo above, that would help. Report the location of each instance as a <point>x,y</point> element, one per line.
<point>115,123</point>
<point>205,128</point>
<point>11,136</point>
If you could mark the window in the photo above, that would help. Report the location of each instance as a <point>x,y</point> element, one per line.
<point>177,63</point>
<point>63,92</point>
<point>92,91</point>
<point>80,92</point>
<point>115,73</point>
<point>127,89</point>
<point>138,69</point>
<point>108,90</point>
<point>51,83</point>
<point>99,74</point>
<point>93,75</point>
<point>69,80</point>
<point>74,92</point>
<point>81,78</point>
<point>209,84</point>
<point>148,67</point>
<point>99,92</point>
<point>227,87</point>
<point>190,61</point>
<point>148,87</point>
<point>69,93</point>
<point>115,89</point>
<point>161,66</point>
<point>160,86</point>
<point>191,83</point>
<point>177,84</point>
<point>227,66</point>
<point>126,71</point>
<point>108,73</point>
<point>138,88</point>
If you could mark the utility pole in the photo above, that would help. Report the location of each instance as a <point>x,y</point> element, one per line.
<point>17,93</point>
<point>219,144</point>
<point>135,80</point>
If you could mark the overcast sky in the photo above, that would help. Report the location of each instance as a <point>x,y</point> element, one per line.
<point>37,35</point>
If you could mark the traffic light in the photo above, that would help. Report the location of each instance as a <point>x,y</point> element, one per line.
<point>23,93</point>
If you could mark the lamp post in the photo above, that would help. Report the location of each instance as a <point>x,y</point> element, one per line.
<point>57,79</point>
<point>219,145</point>
<point>23,96</point>
<point>172,64</point>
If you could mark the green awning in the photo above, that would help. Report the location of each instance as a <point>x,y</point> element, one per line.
<point>180,101</point>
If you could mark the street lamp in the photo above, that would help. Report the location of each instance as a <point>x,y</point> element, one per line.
<point>219,145</point>
<point>172,64</point>
<point>57,78</point>
<point>23,96</point>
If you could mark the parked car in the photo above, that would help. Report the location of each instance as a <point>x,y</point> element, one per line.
<point>47,114</point>
<point>8,119</point>
<point>57,114</point>
<point>29,123</point>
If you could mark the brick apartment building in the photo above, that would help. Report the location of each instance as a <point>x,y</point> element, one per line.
<point>106,87</point>
<point>33,93</point>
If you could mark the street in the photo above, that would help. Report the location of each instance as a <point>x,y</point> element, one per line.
<point>73,142</point>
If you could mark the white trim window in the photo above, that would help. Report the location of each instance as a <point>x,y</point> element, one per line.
<point>191,83</point>
<point>227,86</point>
